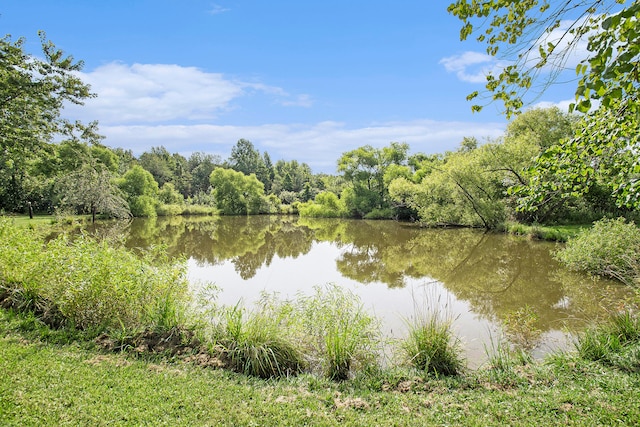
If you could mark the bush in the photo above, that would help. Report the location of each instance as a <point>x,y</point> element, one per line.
<point>89,283</point>
<point>384,213</point>
<point>170,210</point>
<point>611,248</point>
<point>143,206</point>
<point>326,205</point>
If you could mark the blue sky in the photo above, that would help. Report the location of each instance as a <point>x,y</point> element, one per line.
<point>302,80</point>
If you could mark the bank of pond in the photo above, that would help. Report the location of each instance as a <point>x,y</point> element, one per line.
<point>277,296</point>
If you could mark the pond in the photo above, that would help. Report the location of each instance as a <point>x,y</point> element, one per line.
<point>493,286</point>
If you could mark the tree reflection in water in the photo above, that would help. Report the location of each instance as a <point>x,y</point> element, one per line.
<point>494,275</point>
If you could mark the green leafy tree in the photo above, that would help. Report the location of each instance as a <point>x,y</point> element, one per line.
<point>605,147</point>
<point>245,158</point>
<point>33,91</point>
<point>236,193</point>
<point>93,190</point>
<point>141,191</point>
<point>291,176</point>
<point>169,195</point>
<point>364,168</point>
<point>160,163</point>
<point>200,167</point>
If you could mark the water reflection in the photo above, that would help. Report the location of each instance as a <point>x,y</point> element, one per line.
<point>487,277</point>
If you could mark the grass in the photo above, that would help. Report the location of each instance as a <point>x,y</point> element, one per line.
<point>44,383</point>
<point>256,344</point>
<point>555,233</point>
<point>60,372</point>
<point>615,343</point>
<point>339,334</point>
<point>431,345</point>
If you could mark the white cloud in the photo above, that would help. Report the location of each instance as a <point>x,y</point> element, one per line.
<point>563,57</point>
<point>216,9</point>
<point>564,104</point>
<point>153,93</point>
<point>320,144</point>
<point>472,67</point>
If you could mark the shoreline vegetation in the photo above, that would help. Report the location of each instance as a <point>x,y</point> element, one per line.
<point>90,315</point>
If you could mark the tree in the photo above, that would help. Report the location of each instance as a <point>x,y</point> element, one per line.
<point>200,167</point>
<point>365,168</point>
<point>141,191</point>
<point>236,193</point>
<point>33,90</point>
<point>92,190</point>
<point>245,158</point>
<point>607,141</point>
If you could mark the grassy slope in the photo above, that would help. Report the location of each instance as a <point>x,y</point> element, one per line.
<point>47,384</point>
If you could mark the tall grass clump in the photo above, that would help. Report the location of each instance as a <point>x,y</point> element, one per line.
<point>431,345</point>
<point>611,248</point>
<point>614,343</point>
<point>339,334</point>
<point>89,283</point>
<point>256,342</point>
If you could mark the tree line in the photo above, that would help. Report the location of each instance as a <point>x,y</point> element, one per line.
<point>549,166</point>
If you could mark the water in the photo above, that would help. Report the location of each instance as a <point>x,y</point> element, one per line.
<point>492,285</point>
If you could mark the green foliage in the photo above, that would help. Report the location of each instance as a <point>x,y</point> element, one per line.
<point>365,168</point>
<point>143,206</point>
<point>520,327</point>
<point>325,205</point>
<point>341,335</point>
<point>33,90</point>
<point>141,191</point>
<point>93,191</point>
<point>173,210</point>
<point>255,343</point>
<point>376,213</point>
<point>604,149</point>
<point>89,283</point>
<point>236,193</point>
<point>168,195</point>
<point>466,188</point>
<point>614,343</point>
<point>611,248</point>
<point>430,345</point>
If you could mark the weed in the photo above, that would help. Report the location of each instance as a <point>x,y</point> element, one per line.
<point>520,328</point>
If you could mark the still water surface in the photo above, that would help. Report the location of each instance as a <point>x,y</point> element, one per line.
<point>480,279</point>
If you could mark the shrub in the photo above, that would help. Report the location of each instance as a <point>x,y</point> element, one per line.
<point>91,284</point>
<point>326,205</point>
<point>383,213</point>
<point>170,210</point>
<point>611,248</point>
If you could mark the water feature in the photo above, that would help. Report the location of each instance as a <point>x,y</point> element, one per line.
<point>490,284</point>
